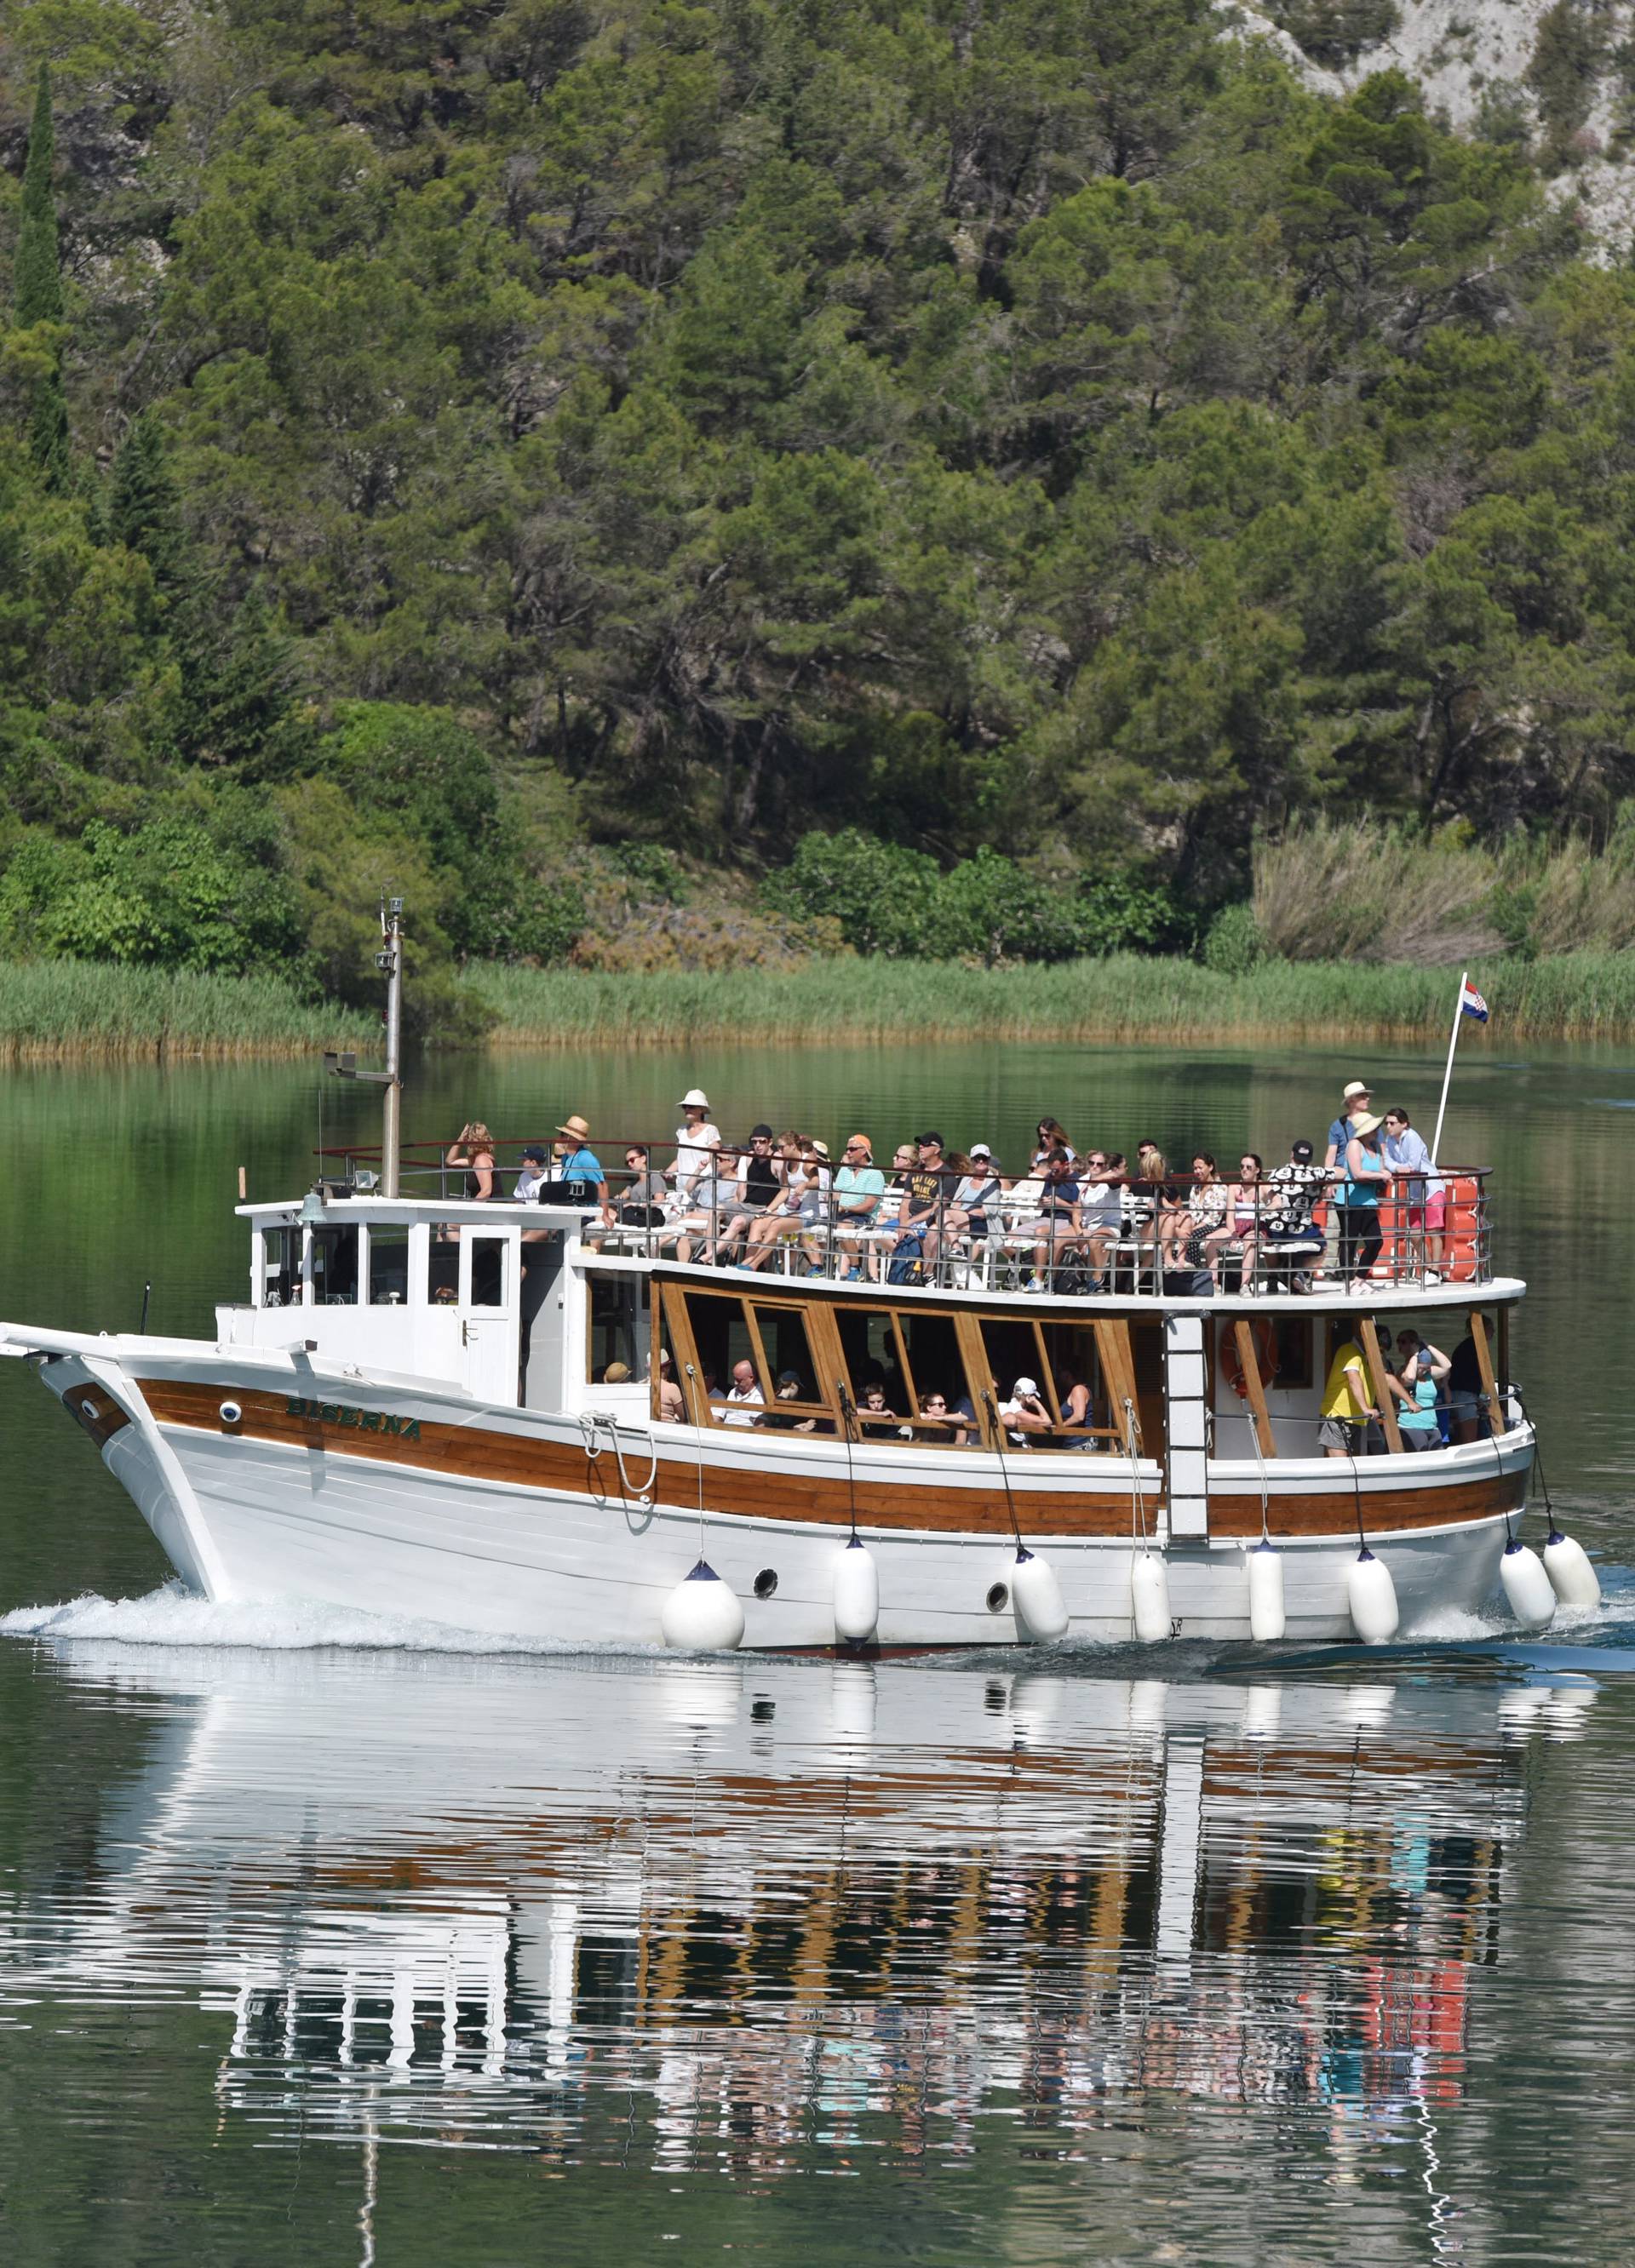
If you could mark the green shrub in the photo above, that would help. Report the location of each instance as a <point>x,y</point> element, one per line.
<point>164,894</point>
<point>1234,944</point>
<point>884,897</point>
<point>889,900</point>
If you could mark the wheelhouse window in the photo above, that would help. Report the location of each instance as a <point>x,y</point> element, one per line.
<point>334,1266</point>
<point>388,1265</point>
<point>281,1267</point>
<point>617,1324</point>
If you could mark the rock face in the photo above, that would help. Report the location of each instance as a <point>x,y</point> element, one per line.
<point>1557,74</point>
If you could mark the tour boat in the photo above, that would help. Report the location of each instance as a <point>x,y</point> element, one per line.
<point>413,1415</point>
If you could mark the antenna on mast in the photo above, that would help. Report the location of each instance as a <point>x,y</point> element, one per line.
<point>389,960</point>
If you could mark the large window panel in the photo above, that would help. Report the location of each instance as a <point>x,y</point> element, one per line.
<point>722,1335</point>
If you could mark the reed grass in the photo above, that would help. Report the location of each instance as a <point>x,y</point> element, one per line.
<point>68,1009</point>
<point>1364,890</point>
<point>1125,997</point>
<point>62,1009</point>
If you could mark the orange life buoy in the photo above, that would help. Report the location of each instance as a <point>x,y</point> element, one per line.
<point>1264,1341</point>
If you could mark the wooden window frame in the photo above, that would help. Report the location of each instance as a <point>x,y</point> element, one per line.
<point>679,1323</point>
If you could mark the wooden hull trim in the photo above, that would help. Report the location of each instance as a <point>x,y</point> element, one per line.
<point>1098,1509</point>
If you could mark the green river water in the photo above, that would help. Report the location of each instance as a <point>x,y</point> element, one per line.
<point>321,1939</point>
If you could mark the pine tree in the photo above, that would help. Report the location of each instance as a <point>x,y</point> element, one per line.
<point>143,505</point>
<point>38,290</point>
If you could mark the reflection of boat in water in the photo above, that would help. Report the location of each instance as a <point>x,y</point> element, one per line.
<point>429,1899</point>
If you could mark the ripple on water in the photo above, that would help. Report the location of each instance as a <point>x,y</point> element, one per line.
<point>1091,1940</point>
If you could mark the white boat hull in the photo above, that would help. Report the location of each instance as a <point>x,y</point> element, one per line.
<point>262,1520</point>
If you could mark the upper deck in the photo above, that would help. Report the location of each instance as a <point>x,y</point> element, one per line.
<point>1138,1243</point>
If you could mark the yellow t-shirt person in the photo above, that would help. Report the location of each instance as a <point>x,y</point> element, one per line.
<point>1339,1397</point>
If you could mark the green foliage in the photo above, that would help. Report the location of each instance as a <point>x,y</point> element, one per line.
<point>1562,71</point>
<point>988,466</point>
<point>1232,944</point>
<point>884,898</point>
<point>37,281</point>
<point>166,895</point>
<point>144,504</point>
<point>37,289</point>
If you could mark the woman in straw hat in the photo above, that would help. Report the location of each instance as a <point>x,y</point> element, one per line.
<point>1368,1177</point>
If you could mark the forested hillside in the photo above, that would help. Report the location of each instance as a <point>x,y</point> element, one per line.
<point>538,452</point>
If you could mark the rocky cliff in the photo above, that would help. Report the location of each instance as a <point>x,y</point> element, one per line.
<point>1557,74</point>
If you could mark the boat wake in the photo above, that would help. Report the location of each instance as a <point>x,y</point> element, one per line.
<point>173,1616</point>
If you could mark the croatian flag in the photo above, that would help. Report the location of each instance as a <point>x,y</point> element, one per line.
<point>1471,1003</point>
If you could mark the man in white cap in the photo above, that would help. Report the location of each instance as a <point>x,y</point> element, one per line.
<point>696,1141</point>
<point>1025,1412</point>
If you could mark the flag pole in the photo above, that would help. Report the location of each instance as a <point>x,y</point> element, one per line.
<point>1453,1042</point>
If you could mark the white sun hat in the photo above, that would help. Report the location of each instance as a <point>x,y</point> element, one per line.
<point>696,1098</point>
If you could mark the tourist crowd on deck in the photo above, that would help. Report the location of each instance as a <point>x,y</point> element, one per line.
<point>785,1200</point>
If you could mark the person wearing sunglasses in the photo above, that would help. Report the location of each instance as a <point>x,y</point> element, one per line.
<point>860,1191</point>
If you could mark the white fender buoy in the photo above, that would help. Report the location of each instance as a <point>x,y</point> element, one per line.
<point>857,1592</point>
<point>1037,1597</point>
<point>1149,1597</point>
<point>702,1614</point>
<point>1372,1597</point>
<point>1266,1619</point>
<point>1527,1588</point>
<point>1572,1577</point>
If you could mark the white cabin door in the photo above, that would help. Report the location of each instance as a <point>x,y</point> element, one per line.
<point>488,1312</point>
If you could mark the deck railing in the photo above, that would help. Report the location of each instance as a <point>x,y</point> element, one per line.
<point>1158,1239</point>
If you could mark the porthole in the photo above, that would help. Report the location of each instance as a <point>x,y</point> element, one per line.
<point>766,1582</point>
<point>230,1413</point>
<point>89,1410</point>
<point>998,1597</point>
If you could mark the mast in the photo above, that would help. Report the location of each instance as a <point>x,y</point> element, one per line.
<point>389,960</point>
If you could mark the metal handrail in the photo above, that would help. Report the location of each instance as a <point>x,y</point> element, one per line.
<point>1156,1244</point>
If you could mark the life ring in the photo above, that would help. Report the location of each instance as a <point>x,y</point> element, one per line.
<point>1264,1341</point>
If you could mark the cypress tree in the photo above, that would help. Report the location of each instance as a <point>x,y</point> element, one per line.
<point>38,290</point>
